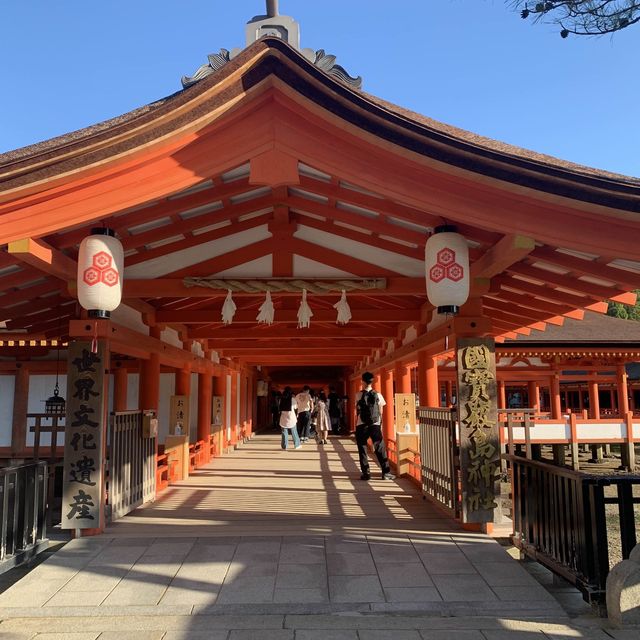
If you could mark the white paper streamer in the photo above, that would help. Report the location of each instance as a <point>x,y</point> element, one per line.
<point>228,309</point>
<point>304,312</point>
<point>267,311</point>
<point>343,309</point>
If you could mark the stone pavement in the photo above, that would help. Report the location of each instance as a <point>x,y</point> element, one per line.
<point>326,579</point>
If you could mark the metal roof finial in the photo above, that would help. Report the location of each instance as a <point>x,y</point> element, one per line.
<point>272,8</point>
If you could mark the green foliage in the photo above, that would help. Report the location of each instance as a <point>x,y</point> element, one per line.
<point>581,17</point>
<point>626,312</point>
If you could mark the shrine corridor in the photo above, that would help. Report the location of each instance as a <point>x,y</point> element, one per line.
<point>263,543</point>
<point>259,489</point>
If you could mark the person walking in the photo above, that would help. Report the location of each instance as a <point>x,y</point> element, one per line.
<point>305,405</point>
<point>335,410</point>
<point>369,405</point>
<point>288,421</point>
<point>275,408</point>
<point>323,421</point>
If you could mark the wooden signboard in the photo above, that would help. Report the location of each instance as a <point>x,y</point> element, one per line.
<point>84,436</point>
<point>217,411</point>
<point>478,419</point>
<point>405,412</point>
<point>179,415</point>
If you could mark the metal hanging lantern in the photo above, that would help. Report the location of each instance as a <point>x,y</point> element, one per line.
<point>100,272</point>
<point>446,257</point>
<point>56,404</point>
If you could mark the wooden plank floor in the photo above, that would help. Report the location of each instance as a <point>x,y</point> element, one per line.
<point>259,489</point>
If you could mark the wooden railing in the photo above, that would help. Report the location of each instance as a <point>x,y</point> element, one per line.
<point>132,464</point>
<point>23,508</point>
<point>51,423</point>
<point>521,427</point>
<point>392,451</point>
<point>560,520</point>
<point>439,457</point>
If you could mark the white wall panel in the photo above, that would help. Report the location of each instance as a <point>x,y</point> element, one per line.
<point>167,389</point>
<point>389,260</point>
<point>7,388</point>
<point>306,268</point>
<point>193,406</point>
<point>193,255</point>
<point>259,268</point>
<point>132,391</point>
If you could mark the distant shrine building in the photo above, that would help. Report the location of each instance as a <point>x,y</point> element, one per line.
<point>271,224</point>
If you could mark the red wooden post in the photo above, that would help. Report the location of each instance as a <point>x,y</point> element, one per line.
<point>205,392</point>
<point>594,400</point>
<point>502,394</point>
<point>575,461</point>
<point>149,383</point>
<point>448,393</point>
<point>556,414</point>
<point>402,378</point>
<point>20,408</point>
<point>623,390</point>
<point>387,411</point>
<point>556,403</point>
<point>183,382</point>
<point>234,409</point>
<point>120,389</point>
<point>534,395</point>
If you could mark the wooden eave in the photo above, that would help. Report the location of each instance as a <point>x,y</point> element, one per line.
<point>136,174</point>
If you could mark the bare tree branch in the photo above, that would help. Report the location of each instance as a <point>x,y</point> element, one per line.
<point>581,17</point>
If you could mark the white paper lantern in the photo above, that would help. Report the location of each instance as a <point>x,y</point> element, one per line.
<point>446,257</point>
<point>100,270</point>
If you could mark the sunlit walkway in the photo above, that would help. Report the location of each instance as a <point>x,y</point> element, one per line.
<point>260,489</point>
<point>285,545</point>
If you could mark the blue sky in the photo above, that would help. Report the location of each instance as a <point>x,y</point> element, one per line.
<point>66,64</point>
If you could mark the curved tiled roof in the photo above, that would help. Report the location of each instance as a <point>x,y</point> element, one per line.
<point>594,328</point>
<point>402,127</point>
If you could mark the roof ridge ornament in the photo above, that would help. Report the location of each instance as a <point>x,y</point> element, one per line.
<point>275,25</point>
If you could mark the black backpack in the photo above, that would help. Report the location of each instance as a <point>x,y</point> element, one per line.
<point>369,408</point>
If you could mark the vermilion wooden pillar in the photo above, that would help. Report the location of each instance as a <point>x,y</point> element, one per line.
<point>234,409</point>
<point>219,431</point>
<point>428,385</point>
<point>120,389</point>
<point>448,393</point>
<point>183,382</point>
<point>623,390</point>
<point>205,392</point>
<point>149,384</point>
<point>252,393</point>
<point>354,387</point>
<point>534,403</point>
<point>594,400</point>
<point>556,402</point>
<point>387,411</point>
<point>242,419</point>
<point>502,394</point>
<point>534,395</point>
<point>556,414</point>
<point>402,377</point>
<point>20,408</point>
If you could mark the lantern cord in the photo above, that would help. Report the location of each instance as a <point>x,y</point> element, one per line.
<point>94,342</point>
<point>56,389</point>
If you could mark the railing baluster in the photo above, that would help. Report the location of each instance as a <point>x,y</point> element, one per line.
<point>559,519</point>
<point>627,518</point>
<point>22,511</point>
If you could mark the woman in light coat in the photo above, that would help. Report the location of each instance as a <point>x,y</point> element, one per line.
<point>323,421</point>
<point>288,419</point>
